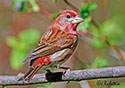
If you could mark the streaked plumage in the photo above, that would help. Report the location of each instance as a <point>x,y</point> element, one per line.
<point>56,45</point>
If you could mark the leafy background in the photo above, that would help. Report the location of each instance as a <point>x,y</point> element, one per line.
<point>22,22</point>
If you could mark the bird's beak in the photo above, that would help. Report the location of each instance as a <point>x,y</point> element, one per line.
<point>77,20</point>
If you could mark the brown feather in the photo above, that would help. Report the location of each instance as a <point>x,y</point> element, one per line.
<point>53,40</point>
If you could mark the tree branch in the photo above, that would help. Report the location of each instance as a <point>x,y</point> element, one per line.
<point>75,8</point>
<point>76,75</point>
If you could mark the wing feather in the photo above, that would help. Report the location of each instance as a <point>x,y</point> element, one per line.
<point>51,43</point>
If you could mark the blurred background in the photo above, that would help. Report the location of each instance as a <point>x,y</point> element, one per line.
<point>22,22</point>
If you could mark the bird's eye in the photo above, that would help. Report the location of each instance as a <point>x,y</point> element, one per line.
<point>68,16</point>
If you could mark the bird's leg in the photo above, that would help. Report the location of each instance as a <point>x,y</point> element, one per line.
<point>24,77</point>
<point>66,69</point>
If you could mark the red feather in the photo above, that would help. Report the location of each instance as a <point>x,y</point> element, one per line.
<point>42,61</point>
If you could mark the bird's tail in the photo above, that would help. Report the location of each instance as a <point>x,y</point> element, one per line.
<point>30,73</point>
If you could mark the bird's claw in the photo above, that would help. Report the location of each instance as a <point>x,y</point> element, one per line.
<point>24,79</point>
<point>67,69</point>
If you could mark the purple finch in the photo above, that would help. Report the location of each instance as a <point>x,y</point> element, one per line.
<point>56,45</point>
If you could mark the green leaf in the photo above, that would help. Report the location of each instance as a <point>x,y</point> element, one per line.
<point>24,7</point>
<point>11,41</point>
<point>86,8</point>
<point>83,11</point>
<point>84,25</point>
<point>35,6</point>
<point>54,1</point>
<point>19,5</point>
<point>55,15</point>
<point>100,62</point>
<point>16,58</point>
<point>92,6</point>
<point>27,39</point>
<point>16,44</point>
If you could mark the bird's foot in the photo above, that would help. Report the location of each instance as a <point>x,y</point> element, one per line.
<point>66,69</point>
<point>24,79</point>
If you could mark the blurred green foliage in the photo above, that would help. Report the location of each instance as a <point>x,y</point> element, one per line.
<point>4,86</point>
<point>100,62</point>
<point>110,28</point>
<point>86,8</point>
<point>45,86</point>
<point>113,31</point>
<point>84,25</point>
<point>27,39</point>
<point>21,5</point>
<point>54,1</point>
<point>84,12</point>
<point>122,85</point>
<point>97,43</point>
<point>54,15</point>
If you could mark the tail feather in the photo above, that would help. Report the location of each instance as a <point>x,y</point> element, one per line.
<point>30,73</point>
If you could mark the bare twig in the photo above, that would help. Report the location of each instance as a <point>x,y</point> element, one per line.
<point>76,75</point>
<point>75,8</point>
<point>46,13</point>
<point>105,39</point>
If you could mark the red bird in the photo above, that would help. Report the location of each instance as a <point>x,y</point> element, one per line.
<point>56,45</point>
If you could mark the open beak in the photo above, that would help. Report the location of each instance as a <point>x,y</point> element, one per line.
<point>77,20</point>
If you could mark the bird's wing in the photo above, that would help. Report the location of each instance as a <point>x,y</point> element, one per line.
<point>52,41</point>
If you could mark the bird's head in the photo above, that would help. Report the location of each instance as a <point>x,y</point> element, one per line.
<point>68,21</point>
